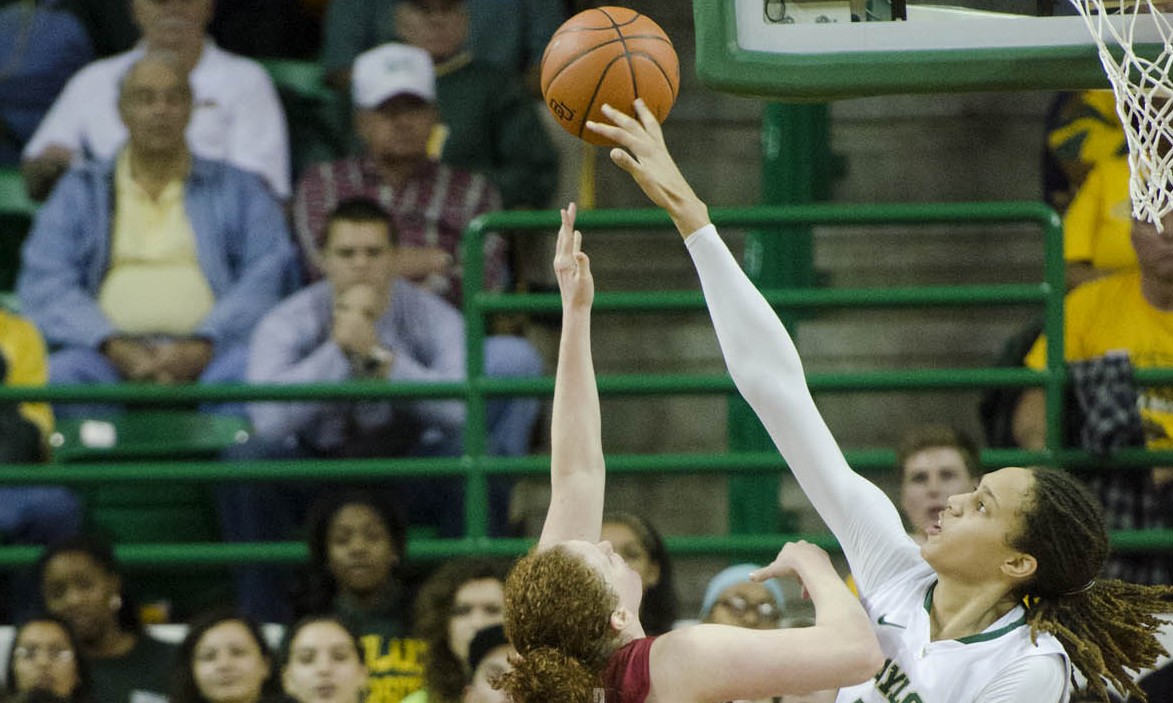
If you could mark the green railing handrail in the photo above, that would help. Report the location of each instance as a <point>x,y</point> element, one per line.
<point>205,554</point>
<point>629,384</point>
<point>82,473</point>
<point>477,467</point>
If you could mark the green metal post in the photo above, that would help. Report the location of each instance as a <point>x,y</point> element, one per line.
<point>795,156</point>
<point>476,486</point>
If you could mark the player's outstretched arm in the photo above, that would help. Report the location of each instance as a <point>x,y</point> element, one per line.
<point>577,472</point>
<point>763,360</point>
<point>647,160</point>
<point>717,662</point>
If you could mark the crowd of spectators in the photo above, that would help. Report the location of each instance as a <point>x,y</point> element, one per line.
<point>175,244</point>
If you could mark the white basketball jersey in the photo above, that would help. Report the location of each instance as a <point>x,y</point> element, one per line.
<point>918,670</point>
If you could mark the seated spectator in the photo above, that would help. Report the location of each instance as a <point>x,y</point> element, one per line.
<point>224,659</point>
<point>80,582</point>
<point>430,203</point>
<point>156,265</point>
<point>732,599</point>
<point>640,545</point>
<point>935,462</point>
<point>237,116</point>
<point>362,322</point>
<point>1128,312</point>
<point>46,659</point>
<point>42,45</point>
<point>357,545</point>
<point>489,655</point>
<point>29,514</point>
<point>510,34</point>
<point>324,663</point>
<point>489,124</point>
<point>461,598</point>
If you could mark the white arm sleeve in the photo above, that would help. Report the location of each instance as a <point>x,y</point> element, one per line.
<point>1034,679</point>
<point>765,366</point>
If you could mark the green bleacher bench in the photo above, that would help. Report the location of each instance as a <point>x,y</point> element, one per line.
<point>144,435</point>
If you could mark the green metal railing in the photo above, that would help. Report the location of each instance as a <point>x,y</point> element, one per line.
<point>476,466</point>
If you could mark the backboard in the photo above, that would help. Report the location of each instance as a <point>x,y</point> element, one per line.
<point>803,50</point>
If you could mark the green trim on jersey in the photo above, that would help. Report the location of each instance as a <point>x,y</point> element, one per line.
<point>981,636</point>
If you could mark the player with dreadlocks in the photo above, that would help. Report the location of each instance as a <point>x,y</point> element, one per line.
<point>1003,598</point>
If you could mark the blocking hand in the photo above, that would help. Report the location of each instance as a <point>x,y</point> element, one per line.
<point>571,266</point>
<point>647,160</point>
<point>796,559</point>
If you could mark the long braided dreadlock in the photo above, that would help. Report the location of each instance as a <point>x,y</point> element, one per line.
<point>1107,626</point>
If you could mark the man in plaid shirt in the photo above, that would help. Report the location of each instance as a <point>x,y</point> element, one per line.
<point>430,203</point>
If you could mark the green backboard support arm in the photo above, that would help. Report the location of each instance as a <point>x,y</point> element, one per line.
<point>776,73</point>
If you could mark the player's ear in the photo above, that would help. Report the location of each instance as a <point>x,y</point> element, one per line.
<point>1020,566</point>
<point>621,619</point>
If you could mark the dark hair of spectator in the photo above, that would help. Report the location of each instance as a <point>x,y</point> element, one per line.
<point>657,610</point>
<point>1106,626</point>
<point>314,592</point>
<point>292,633</point>
<point>100,552</point>
<point>81,694</point>
<point>925,437</point>
<point>362,210</point>
<point>444,675</point>
<point>184,688</point>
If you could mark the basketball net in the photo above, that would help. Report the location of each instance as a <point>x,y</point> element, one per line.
<point>1144,96</point>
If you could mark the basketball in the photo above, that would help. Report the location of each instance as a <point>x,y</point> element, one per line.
<point>608,55</point>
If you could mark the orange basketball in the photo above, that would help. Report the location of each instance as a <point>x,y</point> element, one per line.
<point>609,55</point>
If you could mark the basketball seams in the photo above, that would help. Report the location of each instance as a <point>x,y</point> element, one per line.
<point>586,111</point>
<point>626,52</point>
<point>655,62</point>
<point>611,42</point>
<point>606,28</point>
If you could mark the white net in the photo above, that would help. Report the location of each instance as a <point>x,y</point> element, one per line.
<point>1143,91</point>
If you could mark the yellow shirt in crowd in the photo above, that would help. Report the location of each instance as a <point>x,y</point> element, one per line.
<point>1097,225</point>
<point>24,351</point>
<point>1110,314</point>
<point>154,284</point>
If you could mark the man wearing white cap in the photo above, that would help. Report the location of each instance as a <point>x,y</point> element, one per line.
<point>394,91</point>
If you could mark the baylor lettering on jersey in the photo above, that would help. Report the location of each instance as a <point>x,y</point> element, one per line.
<point>892,682</point>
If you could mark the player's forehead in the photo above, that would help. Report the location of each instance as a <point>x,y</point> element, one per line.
<point>589,552</point>
<point>1011,486</point>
